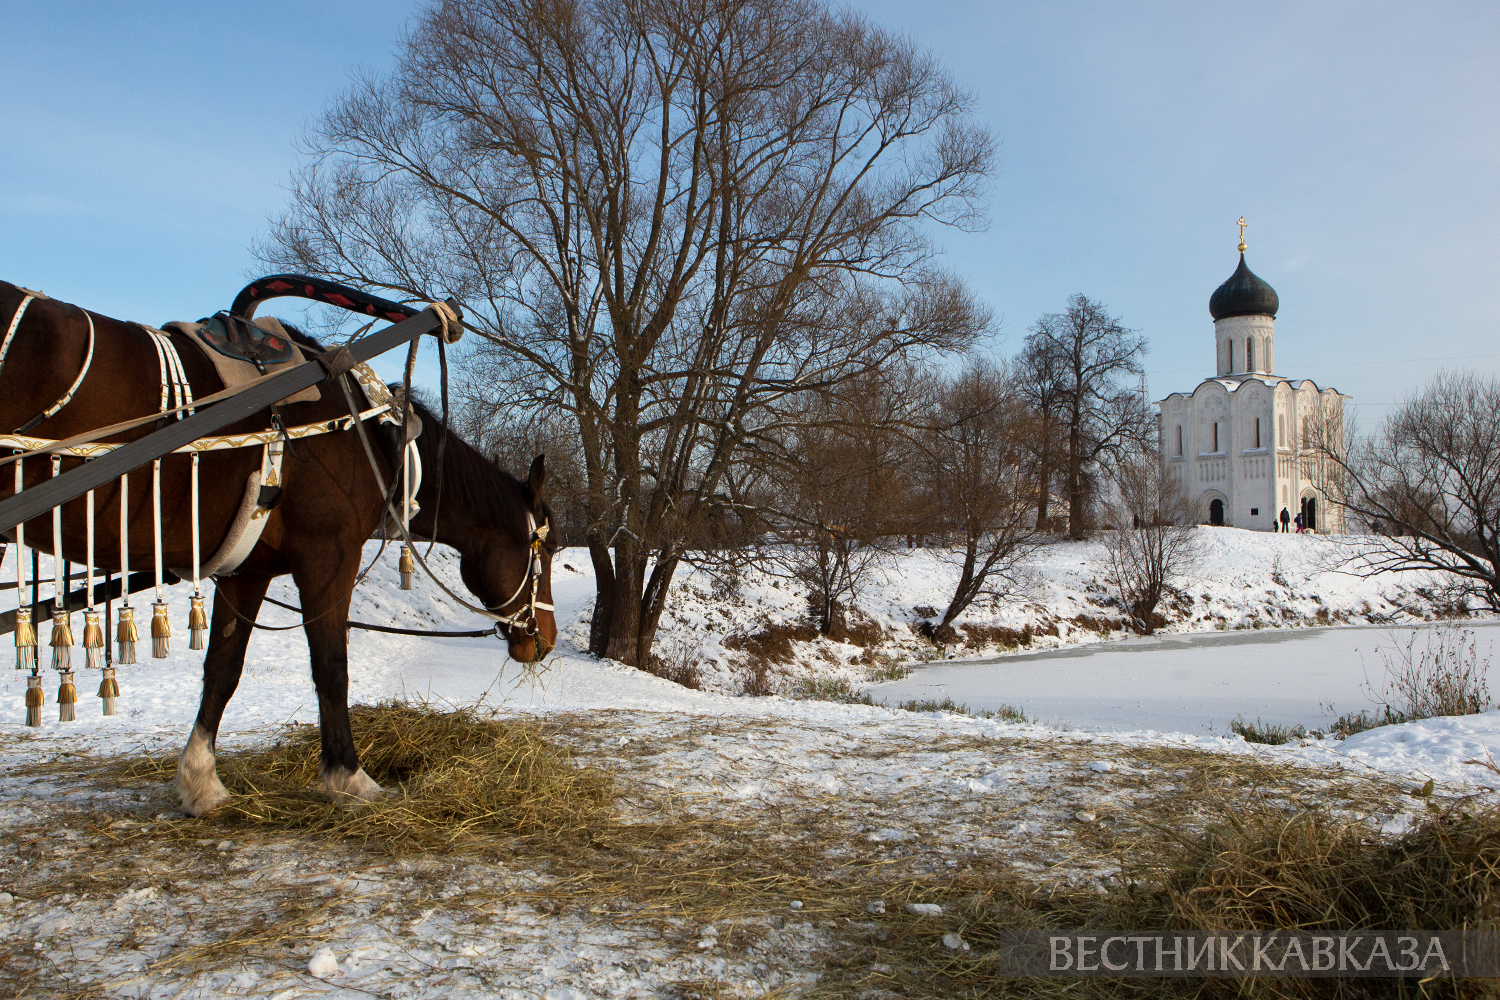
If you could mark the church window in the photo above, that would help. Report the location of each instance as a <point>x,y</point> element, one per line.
<point>1281,429</point>
<point>1257,432</point>
<point>1216,435</point>
<point>1249,355</point>
<point>1179,439</point>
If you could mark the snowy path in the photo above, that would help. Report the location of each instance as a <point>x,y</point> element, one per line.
<point>1180,683</point>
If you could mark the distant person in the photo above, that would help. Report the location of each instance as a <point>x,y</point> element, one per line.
<point>1286,521</point>
<point>1299,522</point>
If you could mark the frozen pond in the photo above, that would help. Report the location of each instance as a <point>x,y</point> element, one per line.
<point>1195,683</point>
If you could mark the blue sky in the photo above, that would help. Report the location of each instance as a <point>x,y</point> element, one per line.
<point>147,144</point>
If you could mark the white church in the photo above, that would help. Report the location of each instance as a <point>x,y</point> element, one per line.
<point>1236,442</point>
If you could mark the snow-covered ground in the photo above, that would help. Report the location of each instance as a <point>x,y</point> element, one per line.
<point>1109,715</point>
<point>1243,642</point>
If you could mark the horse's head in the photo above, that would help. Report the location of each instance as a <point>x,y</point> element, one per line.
<point>512,572</point>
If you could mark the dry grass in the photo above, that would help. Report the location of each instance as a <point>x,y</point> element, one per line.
<point>453,779</point>
<point>1258,866</point>
<point>1208,841</point>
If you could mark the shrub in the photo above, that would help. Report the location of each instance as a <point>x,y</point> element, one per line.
<point>839,689</point>
<point>885,667</point>
<point>1350,723</point>
<point>678,664</point>
<point>1434,672</point>
<point>933,705</point>
<point>1005,713</point>
<point>1010,713</point>
<point>1267,733</point>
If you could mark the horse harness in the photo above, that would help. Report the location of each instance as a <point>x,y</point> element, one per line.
<point>263,494</point>
<point>238,338</point>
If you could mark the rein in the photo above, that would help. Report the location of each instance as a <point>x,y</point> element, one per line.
<point>475,633</point>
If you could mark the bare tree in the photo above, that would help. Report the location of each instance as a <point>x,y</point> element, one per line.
<point>1041,380</point>
<point>1154,538</point>
<point>663,216</point>
<point>1427,485</point>
<point>512,439</point>
<point>1089,353</point>
<point>843,487</point>
<point>973,448</point>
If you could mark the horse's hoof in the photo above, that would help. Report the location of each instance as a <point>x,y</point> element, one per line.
<point>197,785</point>
<point>351,790</point>
<point>204,800</point>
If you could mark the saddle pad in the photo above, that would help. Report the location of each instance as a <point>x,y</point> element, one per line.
<point>234,371</point>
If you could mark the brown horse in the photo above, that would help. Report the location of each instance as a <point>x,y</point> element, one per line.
<point>331,505</point>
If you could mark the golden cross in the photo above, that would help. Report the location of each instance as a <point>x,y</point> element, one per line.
<point>1242,234</point>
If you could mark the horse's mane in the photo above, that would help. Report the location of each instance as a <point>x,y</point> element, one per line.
<point>470,481</point>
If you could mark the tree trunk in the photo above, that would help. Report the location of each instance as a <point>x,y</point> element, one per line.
<point>1075,481</point>
<point>624,639</point>
<point>604,598</point>
<point>653,603</point>
<point>963,594</point>
<point>1044,477</point>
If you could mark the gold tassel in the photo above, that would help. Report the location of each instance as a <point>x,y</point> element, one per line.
<point>197,624</point>
<point>62,641</point>
<point>35,699</point>
<point>408,567</point>
<point>109,690</point>
<point>93,640</point>
<point>67,697</point>
<point>126,636</point>
<point>25,640</point>
<point>161,631</point>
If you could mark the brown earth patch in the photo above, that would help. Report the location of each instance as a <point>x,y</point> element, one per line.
<point>1100,623</point>
<point>773,644</point>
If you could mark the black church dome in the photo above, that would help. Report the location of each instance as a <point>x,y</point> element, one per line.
<point>1243,295</point>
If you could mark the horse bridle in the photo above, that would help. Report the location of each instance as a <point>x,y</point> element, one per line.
<point>525,618</point>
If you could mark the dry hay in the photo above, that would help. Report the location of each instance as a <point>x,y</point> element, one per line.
<point>453,779</point>
<point>1258,866</point>
<point>1235,841</point>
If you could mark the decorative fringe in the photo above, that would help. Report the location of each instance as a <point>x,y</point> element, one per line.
<point>25,640</point>
<point>35,699</point>
<point>126,636</point>
<point>161,631</point>
<point>67,697</point>
<point>408,567</point>
<point>62,642</point>
<point>197,625</point>
<point>109,690</point>
<point>93,640</point>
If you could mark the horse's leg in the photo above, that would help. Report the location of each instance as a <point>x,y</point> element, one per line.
<point>328,644</point>
<point>197,785</point>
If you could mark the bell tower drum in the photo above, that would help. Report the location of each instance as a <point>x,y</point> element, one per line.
<point>1244,311</point>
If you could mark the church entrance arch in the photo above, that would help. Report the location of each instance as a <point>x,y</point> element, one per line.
<point>1214,509</point>
<point>1310,512</point>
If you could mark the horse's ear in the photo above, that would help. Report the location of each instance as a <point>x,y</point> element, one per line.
<point>537,476</point>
